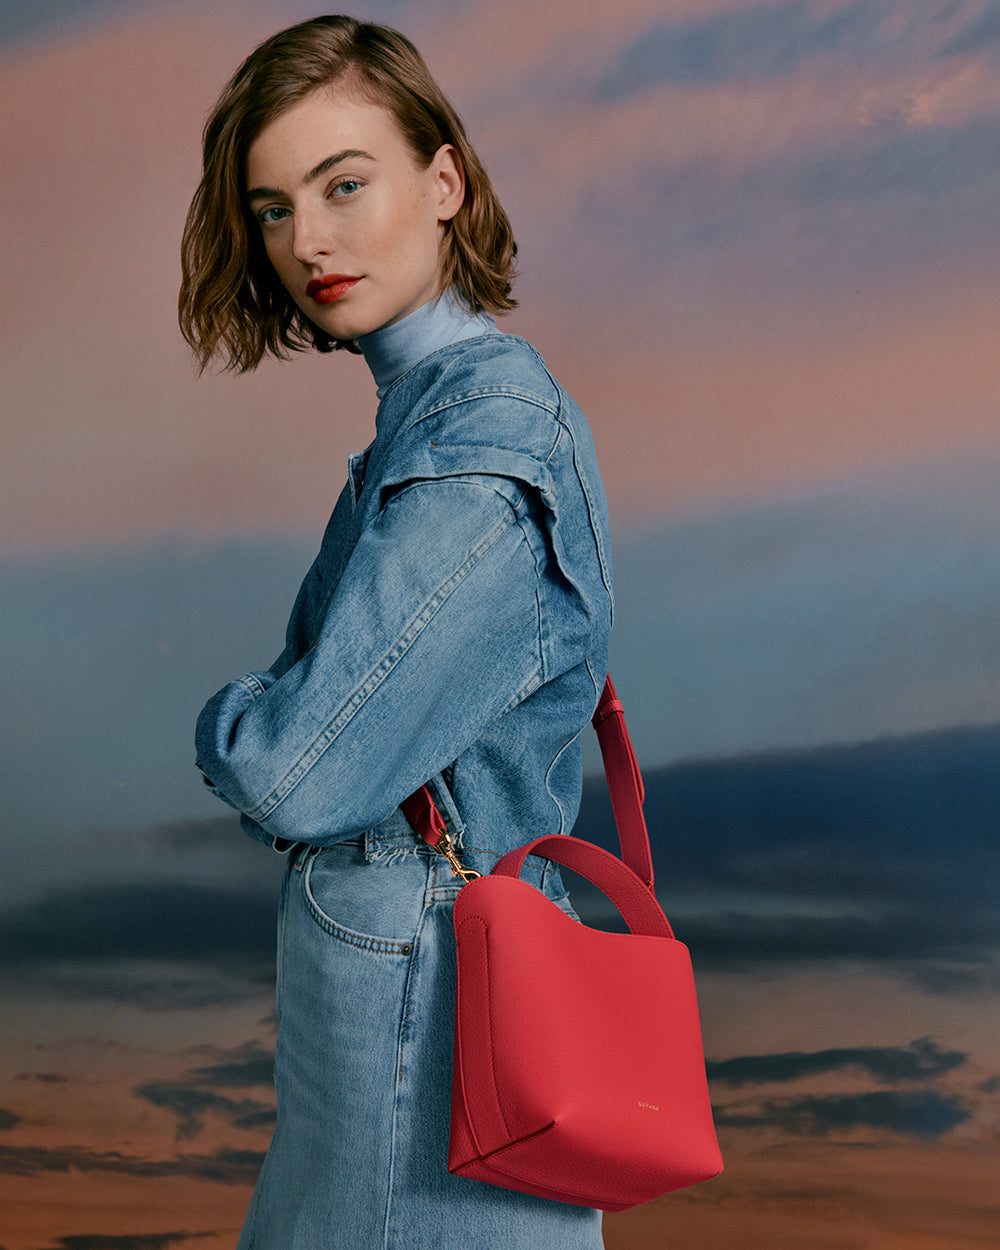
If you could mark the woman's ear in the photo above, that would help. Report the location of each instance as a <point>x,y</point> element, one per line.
<point>449,181</point>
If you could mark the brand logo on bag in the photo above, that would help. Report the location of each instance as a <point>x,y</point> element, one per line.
<point>650,1106</point>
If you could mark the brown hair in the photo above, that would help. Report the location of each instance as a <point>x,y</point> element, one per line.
<point>231,302</point>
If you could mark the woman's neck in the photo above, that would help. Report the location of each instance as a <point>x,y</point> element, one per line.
<point>396,348</point>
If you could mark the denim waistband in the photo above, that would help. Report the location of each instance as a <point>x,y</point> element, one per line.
<point>395,841</point>
<point>387,842</point>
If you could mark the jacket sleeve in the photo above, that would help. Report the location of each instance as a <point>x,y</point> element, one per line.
<point>432,632</point>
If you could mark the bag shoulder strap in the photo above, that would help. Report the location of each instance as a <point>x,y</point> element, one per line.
<point>624,784</point>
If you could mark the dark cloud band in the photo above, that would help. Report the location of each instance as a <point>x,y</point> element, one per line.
<point>919,1061</point>
<point>225,1167</point>
<point>819,856</point>
<point>924,1114</point>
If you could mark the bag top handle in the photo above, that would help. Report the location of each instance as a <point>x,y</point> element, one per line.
<point>621,769</point>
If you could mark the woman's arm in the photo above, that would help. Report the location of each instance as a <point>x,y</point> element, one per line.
<point>433,631</point>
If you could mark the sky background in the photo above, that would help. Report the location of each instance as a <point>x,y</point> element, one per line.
<point>759,244</point>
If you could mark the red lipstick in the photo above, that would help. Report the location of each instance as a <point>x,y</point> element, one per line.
<point>331,287</point>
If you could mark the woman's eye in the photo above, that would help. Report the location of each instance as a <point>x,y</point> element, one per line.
<point>270,216</point>
<point>348,187</point>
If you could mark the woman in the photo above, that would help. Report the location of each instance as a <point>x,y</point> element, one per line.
<point>453,629</point>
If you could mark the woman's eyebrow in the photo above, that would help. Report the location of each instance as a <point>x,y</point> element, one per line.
<point>324,167</point>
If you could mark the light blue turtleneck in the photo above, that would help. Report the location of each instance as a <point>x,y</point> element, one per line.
<point>393,350</point>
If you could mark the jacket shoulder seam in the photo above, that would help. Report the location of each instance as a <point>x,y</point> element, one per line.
<point>495,390</point>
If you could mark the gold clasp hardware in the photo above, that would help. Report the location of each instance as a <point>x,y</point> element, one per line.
<point>446,848</point>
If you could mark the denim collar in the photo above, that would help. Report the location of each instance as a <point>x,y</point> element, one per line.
<point>395,349</point>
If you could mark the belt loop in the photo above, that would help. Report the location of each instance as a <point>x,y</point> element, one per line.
<point>301,853</point>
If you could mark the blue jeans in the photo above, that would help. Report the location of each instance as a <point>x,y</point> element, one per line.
<point>366,986</point>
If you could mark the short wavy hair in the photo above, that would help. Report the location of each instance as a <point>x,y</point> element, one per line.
<point>231,303</point>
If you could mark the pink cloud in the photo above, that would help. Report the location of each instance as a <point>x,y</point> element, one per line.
<point>733,369</point>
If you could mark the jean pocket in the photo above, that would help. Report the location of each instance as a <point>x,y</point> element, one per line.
<point>373,905</point>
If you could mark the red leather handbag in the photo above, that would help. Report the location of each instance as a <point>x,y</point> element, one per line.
<point>579,1073</point>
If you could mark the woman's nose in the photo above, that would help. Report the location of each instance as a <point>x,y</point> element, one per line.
<point>310,237</point>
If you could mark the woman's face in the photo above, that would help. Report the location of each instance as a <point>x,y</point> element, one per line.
<point>351,223</point>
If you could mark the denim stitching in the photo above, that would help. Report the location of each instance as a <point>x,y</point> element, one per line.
<point>440,352</point>
<point>407,993</point>
<point>595,529</point>
<point>363,941</point>
<point>531,685</point>
<point>548,773</point>
<point>450,347</point>
<point>410,977</point>
<point>378,674</point>
<point>253,683</point>
<point>486,392</point>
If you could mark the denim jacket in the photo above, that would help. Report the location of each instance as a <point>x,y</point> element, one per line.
<point>453,628</point>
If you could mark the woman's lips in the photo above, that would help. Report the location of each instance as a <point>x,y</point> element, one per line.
<point>331,287</point>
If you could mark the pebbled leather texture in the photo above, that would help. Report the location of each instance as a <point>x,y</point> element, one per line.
<point>579,1073</point>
